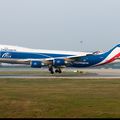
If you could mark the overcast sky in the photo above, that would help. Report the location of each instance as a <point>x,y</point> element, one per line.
<point>60,24</point>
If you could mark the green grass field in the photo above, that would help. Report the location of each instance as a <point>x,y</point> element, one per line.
<point>59,98</point>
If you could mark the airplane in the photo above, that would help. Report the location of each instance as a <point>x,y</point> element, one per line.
<point>56,59</point>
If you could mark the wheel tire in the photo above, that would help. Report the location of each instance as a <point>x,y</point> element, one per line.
<point>59,70</point>
<point>56,71</point>
<point>52,72</point>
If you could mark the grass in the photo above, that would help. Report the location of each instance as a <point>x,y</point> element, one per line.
<point>59,98</point>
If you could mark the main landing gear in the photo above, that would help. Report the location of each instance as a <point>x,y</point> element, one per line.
<point>58,70</point>
<point>51,69</point>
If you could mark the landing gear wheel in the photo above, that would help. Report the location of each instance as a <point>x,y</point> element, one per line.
<point>58,70</point>
<point>51,69</point>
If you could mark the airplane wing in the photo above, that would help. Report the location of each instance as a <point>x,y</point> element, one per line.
<point>73,58</point>
<point>69,59</point>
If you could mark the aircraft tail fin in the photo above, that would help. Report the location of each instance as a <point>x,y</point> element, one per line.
<point>114,53</point>
<point>115,49</point>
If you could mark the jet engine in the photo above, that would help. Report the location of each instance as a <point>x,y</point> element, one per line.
<point>36,64</point>
<point>59,62</point>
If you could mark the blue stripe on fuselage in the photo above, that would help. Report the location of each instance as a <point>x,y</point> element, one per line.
<point>27,55</point>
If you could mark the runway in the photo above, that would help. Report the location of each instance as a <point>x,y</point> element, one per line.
<point>71,73</point>
<point>62,77</point>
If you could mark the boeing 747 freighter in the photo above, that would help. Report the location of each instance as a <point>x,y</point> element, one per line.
<point>54,59</point>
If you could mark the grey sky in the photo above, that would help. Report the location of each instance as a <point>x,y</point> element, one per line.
<point>60,24</point>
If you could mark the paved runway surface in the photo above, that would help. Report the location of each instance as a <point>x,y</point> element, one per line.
<point>90,73</point>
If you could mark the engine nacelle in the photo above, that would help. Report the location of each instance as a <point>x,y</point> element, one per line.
<point>59,62</point>
<point>36,64</point>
